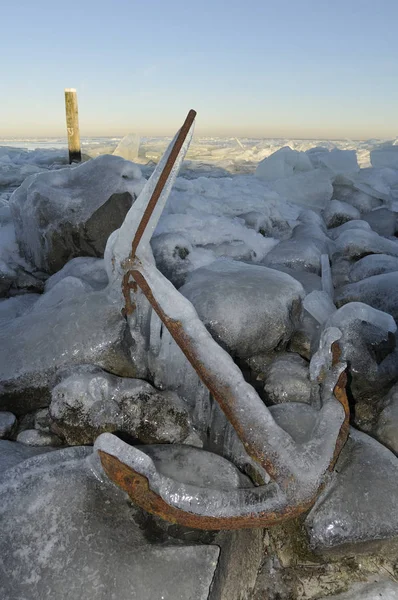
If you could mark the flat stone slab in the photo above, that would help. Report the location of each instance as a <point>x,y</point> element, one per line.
<point>67,534</point>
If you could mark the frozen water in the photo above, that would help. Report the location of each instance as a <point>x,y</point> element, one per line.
<point>88,401</point>
<point>312,189</point>
<point>128,147</point>
<point>12,453</point>
<point>327,282</point>
<point>320,305</point>
<point>249,309</point>
<point>283,163</point>
<point>385,156</point>
<point>382,221</point>
<point>335,160</point>
<point>68,288</point>
<point>11,308</point>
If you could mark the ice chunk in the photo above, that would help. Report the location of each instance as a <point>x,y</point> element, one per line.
<point>250,309</point>
<point>67,289</point>
<point>385,156</point>
<point>337,213</point>
<point>386,429</point>
<point>282,163</point>
<point>312,189</point>
<point>12,453</point>
<point>309,281</point>
<point>319,305</point>
<point>128,147</point>
<point>336,161</point>
<point>11,308</point>
<point>71,212</point>
<point>327,282</point>
<point>33,437</point>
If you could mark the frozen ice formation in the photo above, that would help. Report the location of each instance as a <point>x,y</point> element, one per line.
<point>385,155</point>
<point>355,224</point>
<point>128,147</point>
<point>383,221</point>
<point>312,189</point>
<point>249,309</point>
<point>357,243</point>
<point>12,453</point>
<point>386,428</point>
<point>88,401</point>
<point>8,422</point>
<point>35,346</point>
<point>319,305</point>
<point>89,270</point>
<point>283,163</point>
<point>337,213</point>
<point>359,508</point>
<point>33,437</point>
<point>71,212</point>
<point>66,530</point>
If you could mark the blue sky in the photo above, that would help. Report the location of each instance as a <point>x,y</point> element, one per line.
<point>294,68</point>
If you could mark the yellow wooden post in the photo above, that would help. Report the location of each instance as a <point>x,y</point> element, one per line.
<point>72,125</point>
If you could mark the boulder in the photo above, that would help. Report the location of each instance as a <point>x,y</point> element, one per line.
<point>33,437</point>
<point>386,429</point>
<point>334,232</point>
<point>67,530</point>
<point>379,291</point>
<point>337,213</point>
<point>88,401</point>
<point>34,347</point>
<point>59,215</point>
<point>248,309</point>
<point>8,422</point>
<point>382,221</point>
<point>287,379</point>
<point>374,264</point>
<point>358,511</point>
<point>368,345</point>
<point>356,244</point>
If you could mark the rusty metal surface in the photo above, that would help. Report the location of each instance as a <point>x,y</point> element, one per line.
<point>136,484</point>
<point>162,180</point>
<point>137,487</point>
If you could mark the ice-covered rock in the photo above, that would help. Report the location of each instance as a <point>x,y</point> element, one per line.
<point>283,163</point>
<point>249,309</point>
<point>355,224</point>
<point>71,212</point>
<point>8,422</point>
<point>267,225</point>
<point>87,329</point>
<point>369,347</point>
<point>357,243</point>
<point>33,437</point>
<point>303,251</point>
<point>358,510</point>
<point>309,281</point>
<point>379,291</point>
<point>128,147</point>
<point>67,289</point>
<point>337,213</point>
<point>373,264</point>
<point>65,529</point>
<point>297,418</point>
<point>386,429</point>
<point>287,379</point>
<point>88,401</point>
<point>383,221</point>
<point>89,270</point>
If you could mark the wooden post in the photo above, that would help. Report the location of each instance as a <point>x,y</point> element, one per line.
<point>72,125</point>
